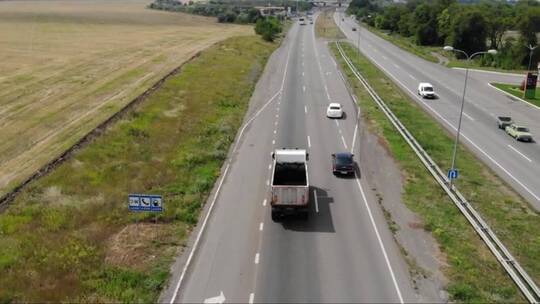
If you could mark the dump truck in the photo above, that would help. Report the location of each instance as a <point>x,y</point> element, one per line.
<point>290,183</point>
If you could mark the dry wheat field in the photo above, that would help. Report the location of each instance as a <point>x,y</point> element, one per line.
<point>66,66</point>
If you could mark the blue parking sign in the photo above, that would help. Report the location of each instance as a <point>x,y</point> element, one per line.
<point>452,174</point>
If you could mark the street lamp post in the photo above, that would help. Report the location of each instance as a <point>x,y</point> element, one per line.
<point>531,50</point>
<point>358,43</point>
<point>452,49</point>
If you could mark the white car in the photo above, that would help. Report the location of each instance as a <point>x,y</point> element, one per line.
<point>426,90</point>
<point>334,110</point>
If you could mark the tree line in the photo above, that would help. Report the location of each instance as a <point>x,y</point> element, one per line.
<point>242,12</point>
<point>471,27</point>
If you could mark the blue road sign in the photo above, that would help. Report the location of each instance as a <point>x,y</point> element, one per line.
<point>452,174</point>
<point>145,202</point>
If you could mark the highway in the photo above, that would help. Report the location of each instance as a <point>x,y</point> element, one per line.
<point>344,252</point>
<point>516,162</point>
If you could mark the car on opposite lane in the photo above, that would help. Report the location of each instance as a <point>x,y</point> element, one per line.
<point>504,121</point>
<point>425,90</point>
<point>334,110</point>
<point>343,163</point>
<point>520,133</point>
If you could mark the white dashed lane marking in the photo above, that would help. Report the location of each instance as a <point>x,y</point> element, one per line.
<point>517,151</point>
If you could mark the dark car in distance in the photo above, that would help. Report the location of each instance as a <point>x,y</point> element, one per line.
<point>342,163</point>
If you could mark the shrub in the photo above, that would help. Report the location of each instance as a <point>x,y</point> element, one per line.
<point>268,28</point>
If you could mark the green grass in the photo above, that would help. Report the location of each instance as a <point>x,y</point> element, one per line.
<point>406,44</point>
<point>475,64</point>
<point>325,26</point>
<point>69,237</point>
<point>514,90</point>
<point>473,273</point>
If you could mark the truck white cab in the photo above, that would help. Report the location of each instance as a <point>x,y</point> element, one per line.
<point>290,183</point>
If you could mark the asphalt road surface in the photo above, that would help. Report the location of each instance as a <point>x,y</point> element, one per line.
<point>516,162</point>
<point>344,252</point>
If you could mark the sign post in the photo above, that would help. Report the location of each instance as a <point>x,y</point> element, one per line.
<point>530,85</point>
<point>452,174</point>
<point>145,202</point>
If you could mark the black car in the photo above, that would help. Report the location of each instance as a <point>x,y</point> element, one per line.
<point>343,163</point>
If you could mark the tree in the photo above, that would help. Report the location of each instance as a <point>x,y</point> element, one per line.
<point>498,18</point>
<point>362,8</point>
<point>469,32</point>
<point>405,24</point>
<point>425,29</point>
<point>268,28</point>
<point>392,15</point>
<point>529,26</point>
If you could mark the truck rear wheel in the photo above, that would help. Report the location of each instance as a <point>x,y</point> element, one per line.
<point>275,216</point>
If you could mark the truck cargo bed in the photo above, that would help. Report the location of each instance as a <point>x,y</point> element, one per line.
<point>290,174</point>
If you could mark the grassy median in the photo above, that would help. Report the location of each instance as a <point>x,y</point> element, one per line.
<point>69,237</point>
<point>515,91</point>
<point>474,274</point>
<point>325,26</point>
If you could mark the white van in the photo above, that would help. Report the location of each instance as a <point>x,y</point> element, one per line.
<point>426,90</point>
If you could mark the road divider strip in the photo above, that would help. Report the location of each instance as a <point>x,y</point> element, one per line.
<point>523,281</point>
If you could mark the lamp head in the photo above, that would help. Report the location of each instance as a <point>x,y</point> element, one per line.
<point>448,48</point>
<point>492,52</point>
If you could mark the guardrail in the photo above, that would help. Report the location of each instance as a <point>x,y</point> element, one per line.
<point>523,281</point>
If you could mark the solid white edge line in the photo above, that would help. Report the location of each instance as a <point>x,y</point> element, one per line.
<point>490,72</point>
<point>319,64</point>
<point>462,134</point>
<point>316,201</point>
<point>380,241</point>
<point>517,151</point>
<point>209,212</point>
<point>195,245</point>
<point>510,95</point>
